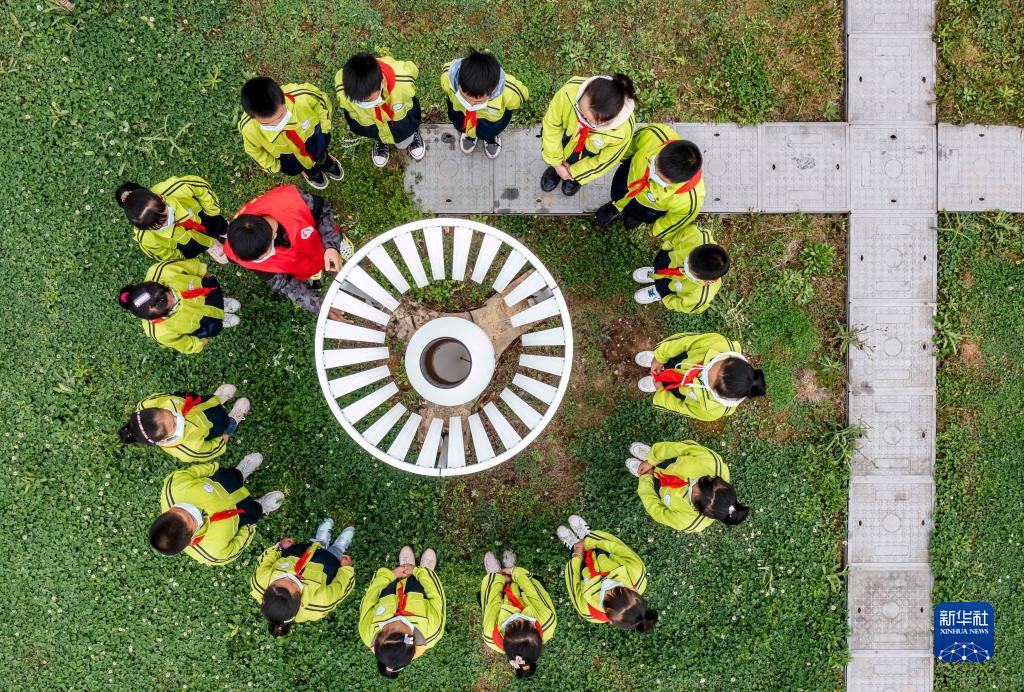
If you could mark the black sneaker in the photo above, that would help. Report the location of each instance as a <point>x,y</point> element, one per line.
<point>417,150</point>
<point>570,187</point>
<point>492,149</point>
<point>607,214</point>
<point>316,179</point>
<point>549,181</point>
<point>467,144</point>
<point>332,168</point>
<point>380,154</point>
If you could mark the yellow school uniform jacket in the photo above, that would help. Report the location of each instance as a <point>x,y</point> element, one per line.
<point>511,98</point>
<point>187,196</point>
<point>175,330</point>
<point>426,611</point>
<point>193,447</point>
<point>398,98</point>
<point>680,209</point>
<point>500,600</point>
<point>219,542</point>
<point>319,598</point>
<point>561,131</point>
<point>688,295</point>
<point>671,506</point>
<point>690,400</point>
<point>611,559</point>
<point>309,107</point>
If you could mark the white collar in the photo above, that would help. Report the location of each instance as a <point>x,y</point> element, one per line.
<point>170,217</point>
<point>288,575</point>
<point>724,401</point>
<point>193,512</point>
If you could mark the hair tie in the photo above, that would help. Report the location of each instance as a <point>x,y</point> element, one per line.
<point>408,639</point>
<point>732,509</point>
<point>142,299</point>
<point>142,430</point>
<point>124,296</point>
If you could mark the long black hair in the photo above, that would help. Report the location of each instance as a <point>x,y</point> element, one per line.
<point>523,640</point>
<point>279,607</point>
<point>144,208</point>
<point>740,379</point>
<point>608,96</point>
<point>393,653</point>
<point>148,300</point>
<point>627,609</point>
<point>143,427</point>
<point>716,498</point>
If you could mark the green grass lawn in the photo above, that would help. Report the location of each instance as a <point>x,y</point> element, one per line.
<point>141,91</point>
<point>981,61</point>
<point>976,544</point>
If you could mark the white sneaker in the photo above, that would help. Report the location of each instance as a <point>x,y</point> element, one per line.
<point>646,296</point>
<point>344,539</point>
<point>492,149</point>
<point>643,275</point>
<point>240,410</point>
<point>565,535</point>
<point>491,564</point>
<point>644,359</point>
<point>646,385</point>
<point>639,450</point>
<point>249,463</point>
<point>216,253</point>
<point>579,526</point>
<point>429,559</point>
<point>417,150</point>
<point>508,560</point>
<point>271,501</point>
<point>225,392</point>
<point>231,320</point>
<point>466,144</point>
<point>232,305</point>
<point>634,466</point>
<point>406,556</point>
<point>323,532</point>
<point>380,154</point>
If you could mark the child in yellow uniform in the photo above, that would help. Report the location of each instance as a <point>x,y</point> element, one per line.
<point>687,272</point>
<point>180,305</point>
<point>684,486</point>
<point>303,582</point>
<point>605,578</point>
<point>378,99</point>
<point>403,612</point>
<point>190,427</point>
<point>178,218</point>
<point>703,376</point>
<point>519,616</point>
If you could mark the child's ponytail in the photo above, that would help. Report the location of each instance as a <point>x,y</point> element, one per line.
<point>624,84</point>
<point>757,387</point>
<point>716,498</point>
<point>122,192</point>
<point>609,95</point>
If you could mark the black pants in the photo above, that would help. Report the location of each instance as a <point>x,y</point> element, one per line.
<point>231,480</point>
<point>216,227</point>
<point>400,129</point>
<point>486,130</point>
<point>211,326</point>
<point>321,557</point>
<point>316,145</point>
<point>219,420</point>
<point>661,261</point>
<point>412,585</point>
<point>634,214</point>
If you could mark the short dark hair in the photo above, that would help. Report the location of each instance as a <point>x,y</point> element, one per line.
<point>479,74</point>
<point>679,161</point>
<point>249,236</point>
<point>279,606</point>
<point>144,208</point>
<point>360,76</point>
<point>143,426</point>
<point>627,609</point>
<point>608,96</point>
<point>392,653</point>
<point>261,97</point>
<point>522,639</point>
<point>169,534</point>
<point>739,379</point>
<point>708,262</point>
<point>148,300</point>
<point>716,498</point>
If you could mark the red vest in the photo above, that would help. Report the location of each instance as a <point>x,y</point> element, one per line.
<point>305,257</point>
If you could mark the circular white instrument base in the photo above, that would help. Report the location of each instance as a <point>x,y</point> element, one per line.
<point>481,352</point>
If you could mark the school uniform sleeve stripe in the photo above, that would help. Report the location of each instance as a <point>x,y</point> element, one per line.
<point>444,609</point>
<point>158,269</point>
<point>656,132</point>
<point>255,585</point>
<point>513,87</point>
<point>570,580</point>
<point>615,160</point>
<point>703,297</point>
<point>306,92</point>
<point>168,495</point>
<point>202,455</point>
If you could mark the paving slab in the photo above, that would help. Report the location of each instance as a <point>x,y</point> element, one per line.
<point>891,257</point>
<point>893,168</point>
<point>889,608</point>
<point>446,180</point>
<point>803,167</point>
<point>897,348</point>
<point>899,434</point>
<point>890,519</point>
<point>896,673</point>
<point>890,78</point>
<point>517,173</point>
<point>980,168</point>
<point>890,16</point>
<point>731,155</point>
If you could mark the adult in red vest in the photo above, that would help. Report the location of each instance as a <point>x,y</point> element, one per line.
<point>288,237</point>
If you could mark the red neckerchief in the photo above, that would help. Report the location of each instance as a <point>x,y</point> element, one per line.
<point>582,141</point>
<point>196,293</point>
<point>588,558</point>
<point>638,186</point>
<point>190,403</point>
<point>667,480</point>
<point>470,120</point>
<point>499,641</point>
<point>293,136</point>
<point>218,516</point>
<point>673,379</point>
<point>301,563</point>
<point>190,225</point>
<point>389,83</point>
<point>402,597</point>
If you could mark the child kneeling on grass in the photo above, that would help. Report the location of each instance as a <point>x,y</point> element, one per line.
<point>684,486</point>
<point>687,272</point>
<point>207,512</point>
<point>605,578</point>
<point>190,427</point>
<point>703,376</point>
<point>303,582</point>
<point>403,612</point>
<point>180,305</point>
<point>519,616</point>
<point>481,98</point>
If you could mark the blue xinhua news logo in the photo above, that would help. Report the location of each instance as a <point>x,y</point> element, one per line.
<point>965,632</point>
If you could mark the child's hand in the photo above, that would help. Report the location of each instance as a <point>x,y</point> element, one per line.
<point>338,316</point>
<point>205,340</point>
<point>346,561</point>
<point>285,543</point>
<point>563,171</point>
<point>332,260</point>
<point>578,549</point>
<point>656,367</point>
<point>403,571</point>
<point>645,468</point>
